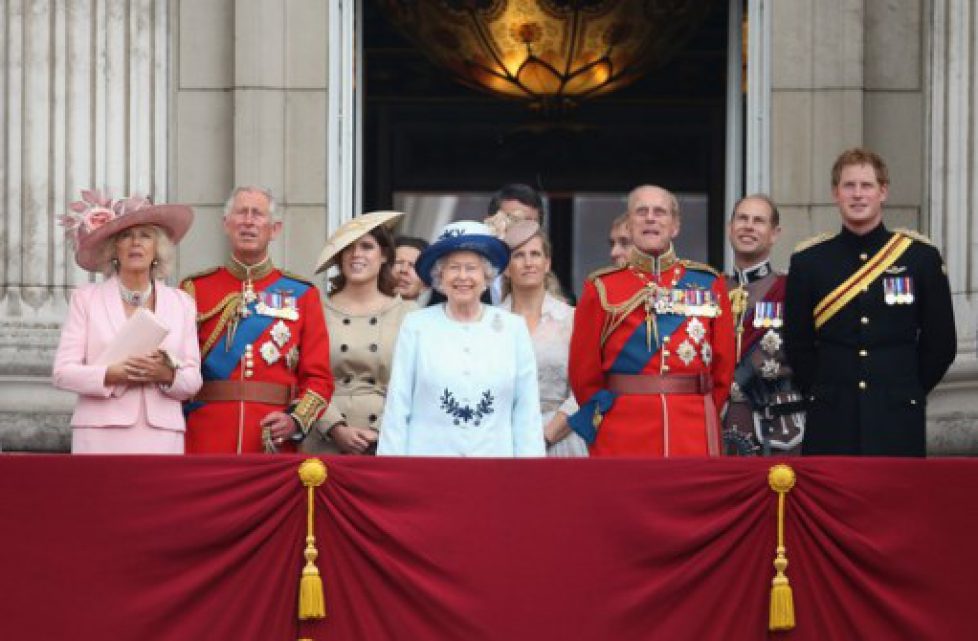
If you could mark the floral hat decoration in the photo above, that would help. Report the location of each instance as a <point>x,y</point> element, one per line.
<point>96,218</point>
<point>512,229</point>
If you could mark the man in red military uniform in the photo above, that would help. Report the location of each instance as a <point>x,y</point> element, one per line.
<point>263,342</point>
<point>652,353</point>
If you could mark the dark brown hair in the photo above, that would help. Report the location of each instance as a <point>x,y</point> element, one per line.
<point>385,279</point>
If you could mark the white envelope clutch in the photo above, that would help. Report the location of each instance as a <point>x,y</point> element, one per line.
<point>140,334</point>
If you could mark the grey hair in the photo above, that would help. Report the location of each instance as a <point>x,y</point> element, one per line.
<point>165,256</point>
<point>487,268</point>
<point>264,191</point>
<point>673,201</point>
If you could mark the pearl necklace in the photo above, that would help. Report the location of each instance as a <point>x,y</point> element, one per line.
<point>134,298</point>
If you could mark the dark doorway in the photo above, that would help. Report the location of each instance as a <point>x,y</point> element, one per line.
<point>426,134</point>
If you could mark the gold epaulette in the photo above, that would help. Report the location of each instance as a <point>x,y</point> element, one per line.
<point>610,269</point>
<point>811,242</point>
<point>294,276</point>
<point>703,267</point>
<point>916,235</point>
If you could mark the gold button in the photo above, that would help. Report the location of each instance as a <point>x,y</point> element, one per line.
<point>249,373</point>
<point>862,384</point>
<point>665,368</point>
<point>864,320</point>
<point>863,256</point>
<point>248,347</point>
<point>665,353</point>
<point>863,353</point>
<point>665,339</point>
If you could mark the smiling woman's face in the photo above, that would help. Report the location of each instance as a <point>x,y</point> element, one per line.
<point>361,261</point>
<point>463,277</point>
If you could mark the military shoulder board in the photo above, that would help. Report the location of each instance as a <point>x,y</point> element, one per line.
<point>811,242</point>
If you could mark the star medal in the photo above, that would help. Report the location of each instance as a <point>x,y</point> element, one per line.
<point>292,358</point>
<point>686,352</point>
<point>770,368</point>
<point>706,353</point>
<point>771,342</point>
<point>696,330</point>
<point>270,353</point>
<point>280,333</point>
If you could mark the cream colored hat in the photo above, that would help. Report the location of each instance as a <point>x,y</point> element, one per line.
<point>350,231</point>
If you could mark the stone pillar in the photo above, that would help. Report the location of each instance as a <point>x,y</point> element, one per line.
<point>83,103</point>
<point>952,174</point>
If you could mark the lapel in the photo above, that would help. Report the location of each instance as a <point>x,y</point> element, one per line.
<point>112,302</point>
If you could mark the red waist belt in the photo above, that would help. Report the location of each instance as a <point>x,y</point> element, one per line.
<point>246,391</point>
<point>660,383</point>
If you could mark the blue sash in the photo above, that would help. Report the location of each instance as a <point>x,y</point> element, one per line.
<point>633,358</point>
<point>222,359</point>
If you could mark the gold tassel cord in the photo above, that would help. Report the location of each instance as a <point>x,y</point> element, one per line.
<point>781,478</point>
<point>312,604</point>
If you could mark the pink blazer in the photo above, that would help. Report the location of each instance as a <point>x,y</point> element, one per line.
<point>95,315</point>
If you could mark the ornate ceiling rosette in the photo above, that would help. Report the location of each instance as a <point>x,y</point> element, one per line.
<point>550,53</point>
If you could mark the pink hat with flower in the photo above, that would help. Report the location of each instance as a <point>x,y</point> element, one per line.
<point>94,219</point>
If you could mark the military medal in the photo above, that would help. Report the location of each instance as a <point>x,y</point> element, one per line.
<point>696,330</point>
<point>777,321</point>
<point>280,333</point>
<point>686,352</point>
<point>770,368</point>
<point>771,342</point>
<point>270,352</point>
<point>706,353</point>
<point>277,304</point>
<point>292,358</point>
<point>889,291</point>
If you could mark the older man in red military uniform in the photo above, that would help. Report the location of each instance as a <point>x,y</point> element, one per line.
<point>263,342</point>
<point>652,353</point>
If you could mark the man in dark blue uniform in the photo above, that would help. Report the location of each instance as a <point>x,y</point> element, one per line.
<point>869,323</point>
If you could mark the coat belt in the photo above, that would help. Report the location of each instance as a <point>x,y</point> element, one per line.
<point>246,391</point>
<point>660,383</point>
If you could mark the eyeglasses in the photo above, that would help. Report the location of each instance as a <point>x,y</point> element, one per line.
<point>457,269</point>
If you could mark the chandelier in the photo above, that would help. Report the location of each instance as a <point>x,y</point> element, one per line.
<point>547,52</point>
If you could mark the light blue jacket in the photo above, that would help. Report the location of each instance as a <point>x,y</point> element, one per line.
<point>462,389</point>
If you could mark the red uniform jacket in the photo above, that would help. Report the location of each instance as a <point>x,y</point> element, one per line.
<point>692,333</point>
<point>291,348</point>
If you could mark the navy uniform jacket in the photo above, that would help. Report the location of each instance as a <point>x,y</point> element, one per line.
<point>867,371</point>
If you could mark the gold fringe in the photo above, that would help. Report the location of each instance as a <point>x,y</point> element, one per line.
<point>781,478</point>
<point>312,603</point>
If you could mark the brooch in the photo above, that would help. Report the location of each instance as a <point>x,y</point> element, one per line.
<point>696,330</point>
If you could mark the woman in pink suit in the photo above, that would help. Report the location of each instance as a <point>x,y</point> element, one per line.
<point>134,405</point>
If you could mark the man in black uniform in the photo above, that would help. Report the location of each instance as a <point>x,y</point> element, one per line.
<point>869,323</point>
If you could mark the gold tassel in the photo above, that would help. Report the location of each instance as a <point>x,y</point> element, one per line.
<point>312,604</point>
<point>781,478</point>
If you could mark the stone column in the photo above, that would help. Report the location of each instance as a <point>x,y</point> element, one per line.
<point>952,201</point>
<point>83,103</point>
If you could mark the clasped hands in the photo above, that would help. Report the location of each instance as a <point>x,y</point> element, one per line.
<point>154,367</point>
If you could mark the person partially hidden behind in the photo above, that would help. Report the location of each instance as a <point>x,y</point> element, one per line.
<point>765,414</point>
<point>652,351</point>
<point>869,324</point>
<point>619,240</point>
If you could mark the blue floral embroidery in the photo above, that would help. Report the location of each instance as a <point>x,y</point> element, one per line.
<point>466,413</point>
<point>451,233</point>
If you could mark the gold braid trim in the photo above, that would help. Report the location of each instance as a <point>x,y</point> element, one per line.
<point>308,410</point>
<point>615,315</point>
<point>234,297</point>
<point>188,286</point>
<point>229,309</point>
<point>916,235</point>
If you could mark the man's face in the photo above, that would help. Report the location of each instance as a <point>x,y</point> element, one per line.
<point>860,197</point>
<point>519,210</point>
<point>409,286</point>
<point>751,230</point>
<point>620,241</point>
<point>249,227</point>
<point>652,221</point>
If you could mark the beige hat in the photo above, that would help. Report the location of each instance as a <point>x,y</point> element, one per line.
<point>96,218</point>
<point>350,231</point>
<point>520,232</point>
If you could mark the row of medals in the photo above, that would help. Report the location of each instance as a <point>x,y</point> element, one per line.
<point>898,290</point>
<point>683,302</point>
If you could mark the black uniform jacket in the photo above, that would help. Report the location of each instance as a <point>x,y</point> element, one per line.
<point>867,371</point>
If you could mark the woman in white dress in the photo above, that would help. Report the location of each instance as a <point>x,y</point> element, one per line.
<point>534,293</point>
<point>464,379</point>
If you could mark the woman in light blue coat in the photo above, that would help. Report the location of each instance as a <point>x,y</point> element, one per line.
<point>464,378</point>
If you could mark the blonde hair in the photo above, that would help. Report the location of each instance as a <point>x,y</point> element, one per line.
<point>164,257</point>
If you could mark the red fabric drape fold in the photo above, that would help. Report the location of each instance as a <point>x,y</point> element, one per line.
<point>211,548</point>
